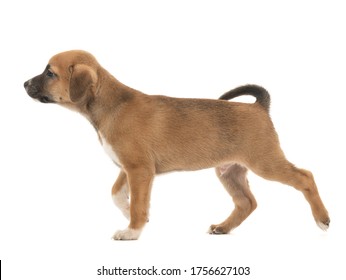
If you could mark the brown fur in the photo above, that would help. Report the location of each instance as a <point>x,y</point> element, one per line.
<point>158,134</point>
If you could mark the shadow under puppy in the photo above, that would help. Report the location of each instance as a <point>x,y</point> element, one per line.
<point>151,134</point>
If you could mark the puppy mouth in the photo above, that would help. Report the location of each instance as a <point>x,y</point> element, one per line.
<point>43,98</point>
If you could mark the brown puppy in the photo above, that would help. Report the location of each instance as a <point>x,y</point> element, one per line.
<point>147,135</point>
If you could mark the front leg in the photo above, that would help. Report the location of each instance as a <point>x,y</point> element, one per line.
<point>140,182</point>
<point>120,194</point>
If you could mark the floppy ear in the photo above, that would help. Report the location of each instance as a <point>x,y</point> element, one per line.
<point>82,81</point>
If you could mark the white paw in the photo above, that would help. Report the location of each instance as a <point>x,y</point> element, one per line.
<point>323,223</point>
<point>127,234</point>
<point>323,226</point>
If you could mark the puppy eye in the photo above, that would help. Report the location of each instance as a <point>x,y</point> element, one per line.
<point>50,74</point>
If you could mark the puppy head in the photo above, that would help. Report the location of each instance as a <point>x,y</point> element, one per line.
<point>69,79</point>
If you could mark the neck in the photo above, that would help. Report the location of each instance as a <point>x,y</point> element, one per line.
<point>110,96</point>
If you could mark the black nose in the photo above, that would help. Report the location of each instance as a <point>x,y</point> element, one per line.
<point>26,84</point>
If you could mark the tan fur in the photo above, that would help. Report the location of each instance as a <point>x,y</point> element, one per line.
<point>157,134</point>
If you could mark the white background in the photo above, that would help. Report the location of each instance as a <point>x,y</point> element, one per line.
<point>57,216</point>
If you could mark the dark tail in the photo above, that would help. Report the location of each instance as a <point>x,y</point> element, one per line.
<point>261,94</point>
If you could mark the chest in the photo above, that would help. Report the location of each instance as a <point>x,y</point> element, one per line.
<point>109,150</point>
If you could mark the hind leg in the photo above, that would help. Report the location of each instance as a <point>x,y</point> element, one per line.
<point>281,170</point>
<point>233,177</point>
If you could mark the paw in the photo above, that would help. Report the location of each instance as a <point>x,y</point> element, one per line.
<point>324,224</point>
<point>127,234</point>
<point>217,229</point>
